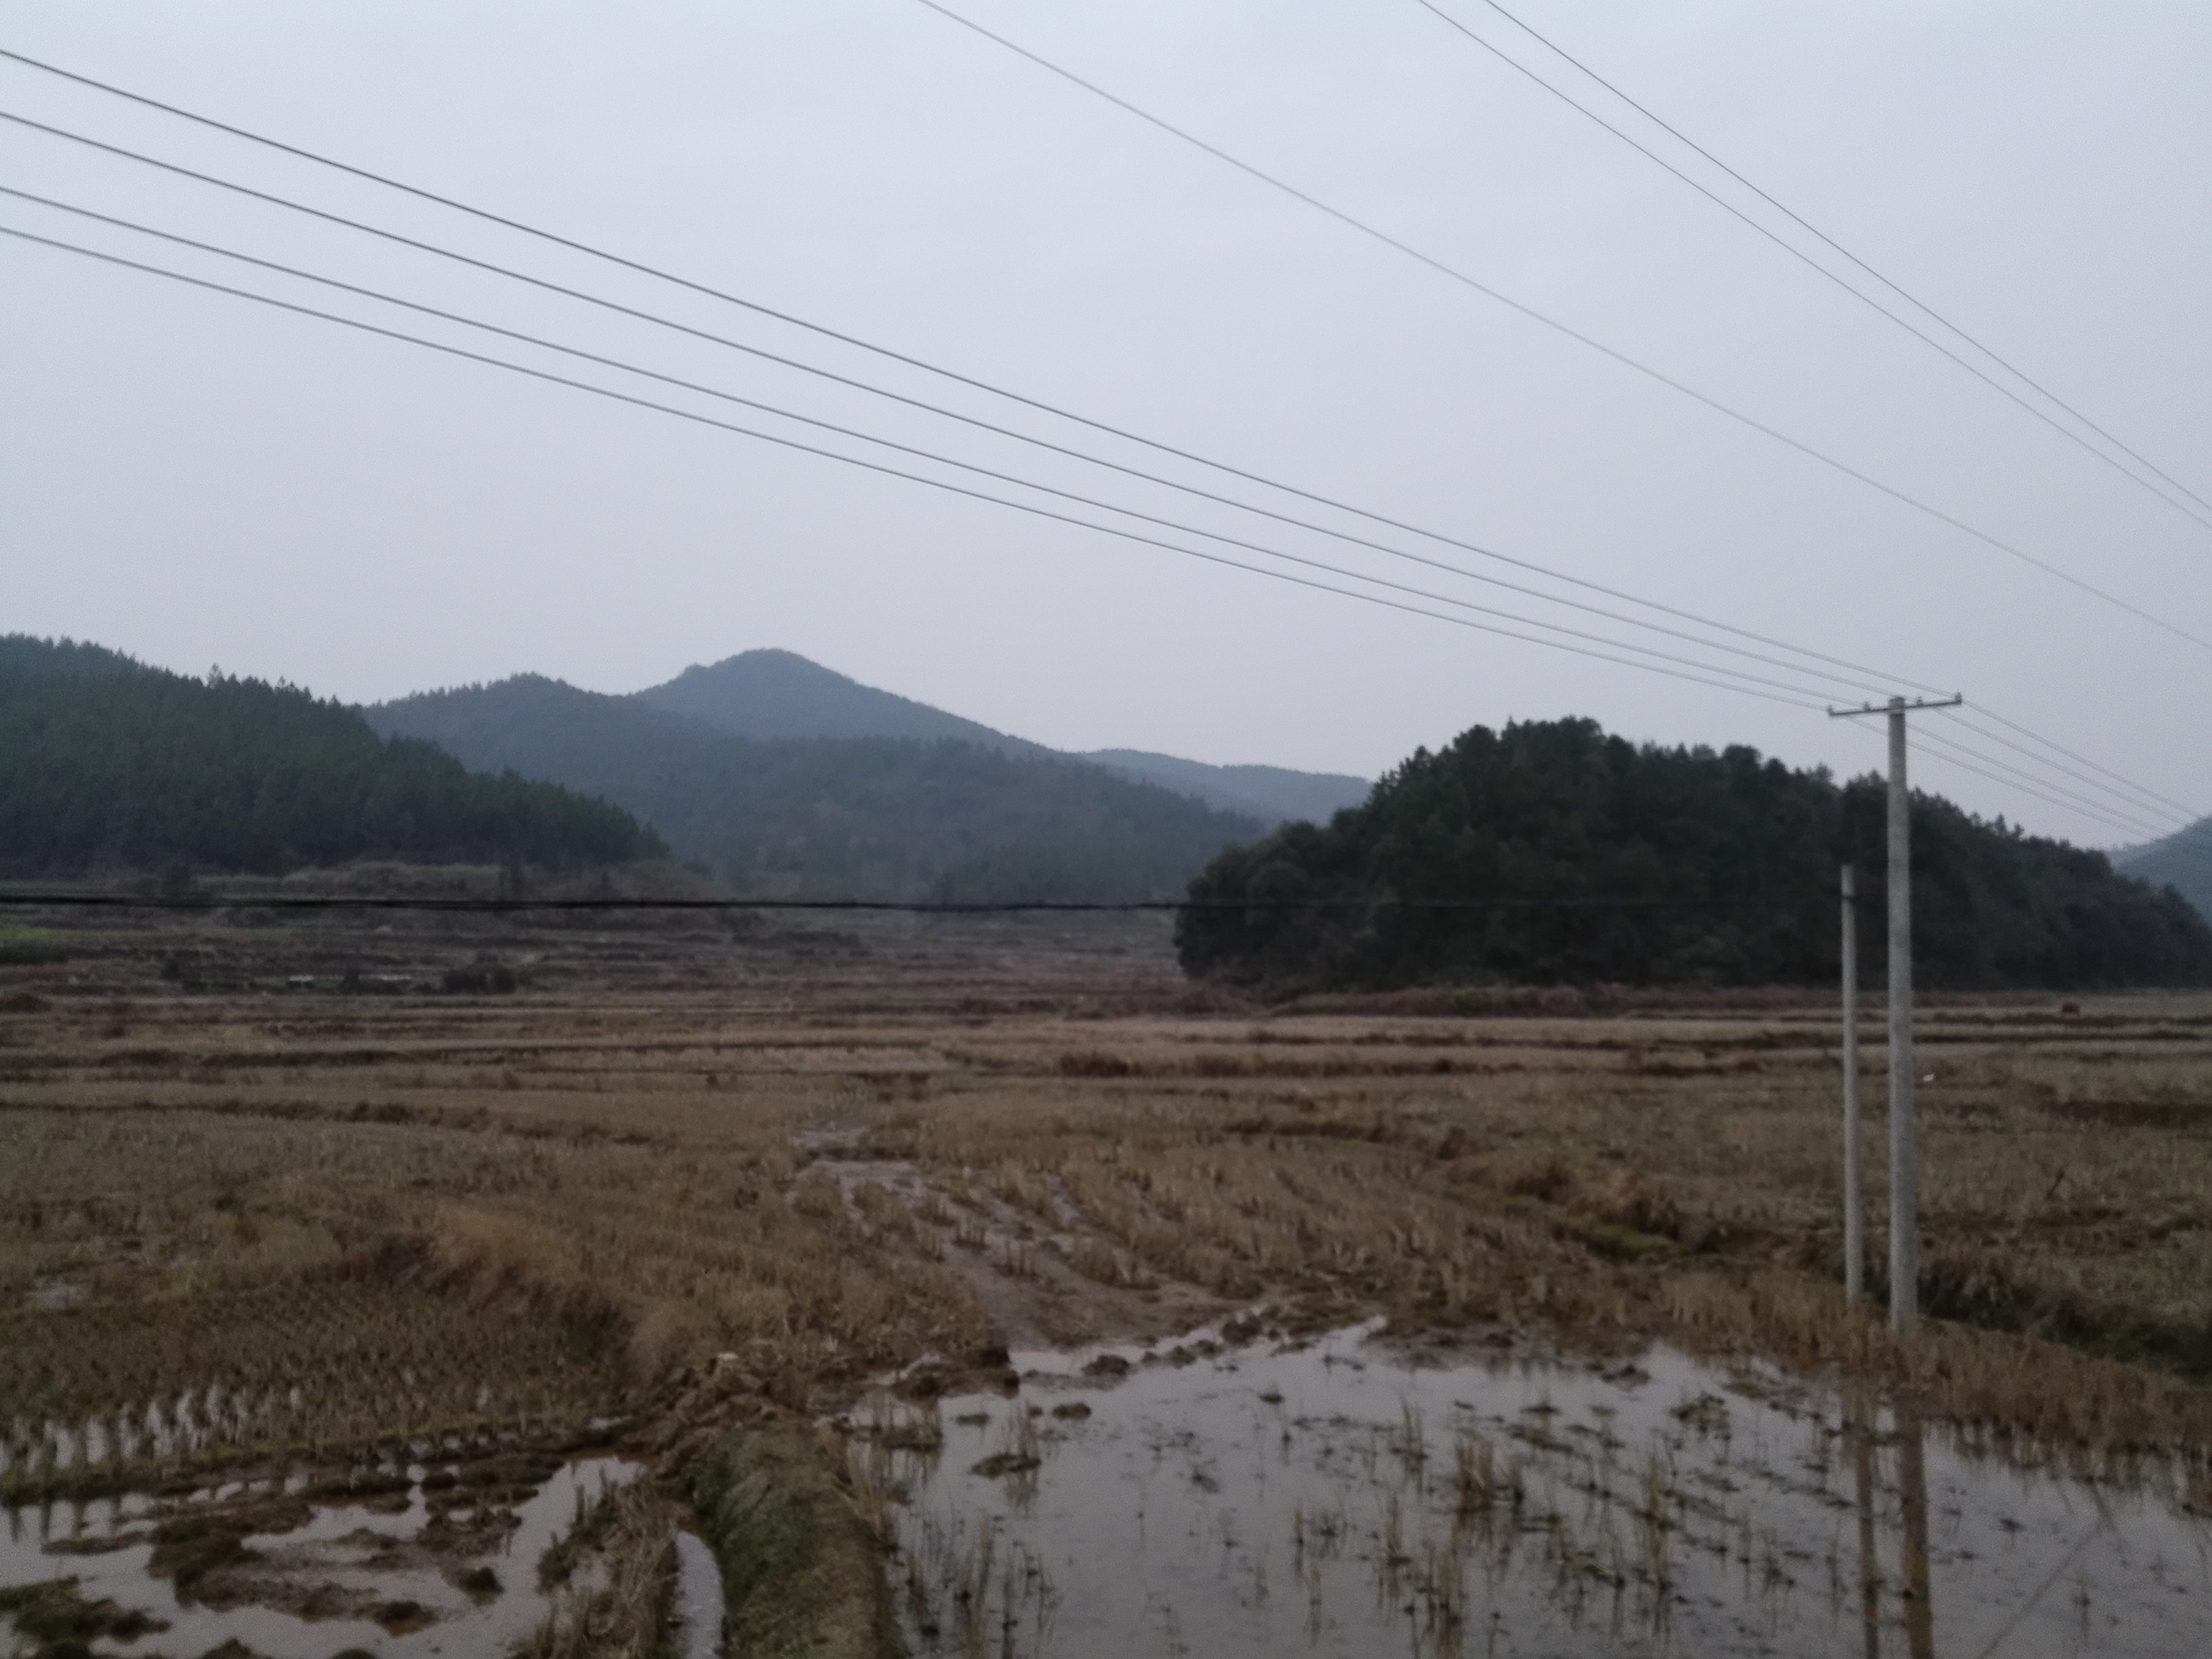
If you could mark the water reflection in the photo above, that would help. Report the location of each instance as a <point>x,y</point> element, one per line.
<point>1339,1497</point>
<point>1912,1536</point>
<point>1858,1432</point>
<point>432,1560</point>
<point>1914,1582</point>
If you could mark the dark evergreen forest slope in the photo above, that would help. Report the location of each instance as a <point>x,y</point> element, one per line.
<point>865,817</point>
<point>104,761</point>
<point>1612,862</point>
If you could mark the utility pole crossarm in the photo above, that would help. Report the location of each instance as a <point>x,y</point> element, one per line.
<point>1897,705</point>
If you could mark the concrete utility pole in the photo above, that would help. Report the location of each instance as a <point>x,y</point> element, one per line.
<point>1903,1134</point>
<point>1854,1184</point>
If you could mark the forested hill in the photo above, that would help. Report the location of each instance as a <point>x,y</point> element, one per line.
<point>105,762</point>
<point>862,817</point>
<point>1613,862</point>
<point>58,660</point>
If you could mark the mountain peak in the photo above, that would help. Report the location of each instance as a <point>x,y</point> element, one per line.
<point>772,694</point>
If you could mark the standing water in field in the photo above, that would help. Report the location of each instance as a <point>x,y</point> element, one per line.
<point>699,1605</point>
<point>437,1561</point>
<point>1341,1498</point>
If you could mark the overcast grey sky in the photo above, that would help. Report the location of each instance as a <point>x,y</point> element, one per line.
<point>199,481</point>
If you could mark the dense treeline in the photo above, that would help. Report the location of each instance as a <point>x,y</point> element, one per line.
<point>106,763</point>
<point>1613,862</point>
<point>861,818</point>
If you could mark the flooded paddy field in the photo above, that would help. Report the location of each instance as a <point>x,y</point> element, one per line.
<point>276,1206</point>
<point>439,1559</point>
<point>1345,1496</point>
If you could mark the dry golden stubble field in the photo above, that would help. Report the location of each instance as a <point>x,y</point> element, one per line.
<point>688,1162</point>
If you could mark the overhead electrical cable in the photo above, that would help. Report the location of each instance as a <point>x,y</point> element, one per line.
<point>2105,806</point>
<point>555,238</point>
<point>419,245</point>
<point>2148,809</point>
<point>1917,304</point>
<point>2058,795</point>
<point>2187,811</point>
<point>1867,680</point>
<point>1806,699</point>
<point>955,377</point>
<point>2161,486</point>
<point>1997,771</point>
<point>912,450</point>
<point>1964,765</point>
<point>2114,810</point>
<point>2017,779</point>
<point>1569,331</point>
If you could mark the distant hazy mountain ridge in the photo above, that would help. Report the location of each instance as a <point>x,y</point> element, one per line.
<point>770,695</point>
<point>2182,861</point>
<point>1270,793</point>
<point>907,817</point>
<point>780,694</point>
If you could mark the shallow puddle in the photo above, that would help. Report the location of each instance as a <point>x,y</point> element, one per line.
<point>699,1605</point>
<point>410,1572</point>
<point>1340,1499</point>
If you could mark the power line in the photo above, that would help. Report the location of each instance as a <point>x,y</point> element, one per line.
<point>2187,811</point>
<point>2052,794</point>
<point>1911,299</point>
<point>2112,811</point>
<point>954,376</point>
<point>1870,677</point>
<point>2156,813</point>
<point>1569,331</point>
<point>1860,295</point>
<point>1107,507</point>
<point>913,477</point>
<point>2016,777</point>
<point>1007,432</point>
<point>905,359</point>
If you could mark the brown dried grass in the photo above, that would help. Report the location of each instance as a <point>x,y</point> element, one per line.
<point>619,1144</point>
